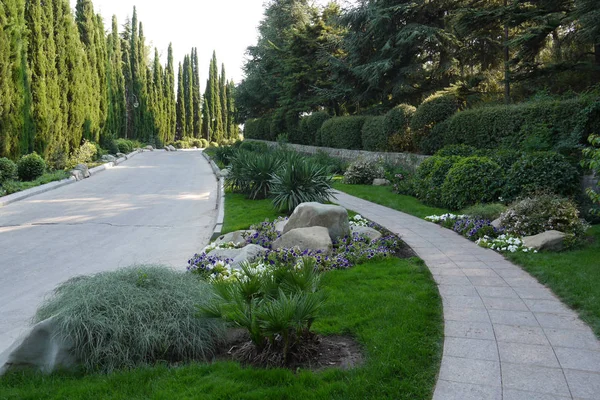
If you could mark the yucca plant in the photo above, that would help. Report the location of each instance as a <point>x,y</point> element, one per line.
<point>299,181</point>
<point>276,305</point>
<point>250,173</point>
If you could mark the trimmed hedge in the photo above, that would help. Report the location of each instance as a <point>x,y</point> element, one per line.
<point>8,169</point>
<point>430,177</point>
<point>397,128</point>
<point>310,127</point>
<point>343,132</point>
<point>258,128</point>
<point>373,135</point>
<point>564,123</point>
<point>434,110</point>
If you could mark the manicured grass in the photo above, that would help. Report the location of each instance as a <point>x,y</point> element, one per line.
<point>391,307</point>
<point>240,212</point>
<point>17,186</point>
<point>383,195</point>
<point>572,275</point>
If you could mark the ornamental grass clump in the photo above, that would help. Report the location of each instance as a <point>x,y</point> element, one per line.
<point>133,316</point>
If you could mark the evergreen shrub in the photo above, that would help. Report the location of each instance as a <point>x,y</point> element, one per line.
<point>490,211</point>
<point>213,144</point>
<point>374,137</point>
<point>343,132</point>
<point>434,110</point>
<point>430,177</point>
<point>30,167</point>
<point>505,158</point>
<point>362,172</point>
<point>310,125</point>
<point>397,128</point>
<point>86,153</point>
<point>8,169</point>
<point>125,146</point>
<point>258,128</point>
<point>461,150</point>
<point>133,316</point>
<point>470,181</point>
<point>203,143</point>
<point>546,171</point>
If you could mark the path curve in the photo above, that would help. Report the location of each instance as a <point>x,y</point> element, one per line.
<point>158,207</point>
<point>507,337</point>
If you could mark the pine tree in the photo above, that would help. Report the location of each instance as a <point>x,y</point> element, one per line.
<point>180,112</point>
<point>169,93</point>
<point>196,94</point>
<point>187,92</point>
<point>223,100</point>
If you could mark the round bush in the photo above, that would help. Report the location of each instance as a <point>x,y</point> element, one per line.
<point>203,143</point>
<point>542,171</point>
<point>397,120</point>
<point>342,132</point>
<point>8,169</point>
<point>461,150</point>
<point>133,316</point>
<point>430,176</point>
<point>213,144</point>
<point>362,172</point>
<point>472,180</point>
<point>373,135</point>
<point>125,146</point>
<point>310,126</point>
<point>434,110</point>
<point>505,158</point>
<point>30,167</point>
<point>537,214</point>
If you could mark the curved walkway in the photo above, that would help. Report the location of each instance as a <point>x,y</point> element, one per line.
<point>507,337</point>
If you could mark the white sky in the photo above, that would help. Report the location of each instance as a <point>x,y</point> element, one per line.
<point>227,26</point>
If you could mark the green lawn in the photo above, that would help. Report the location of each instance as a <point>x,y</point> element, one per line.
<point>572,275</point>
<point>383,195</point>
<point>391,307</point>
<point>17,186</point>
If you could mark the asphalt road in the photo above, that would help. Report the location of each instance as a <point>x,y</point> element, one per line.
<point>156,208</point>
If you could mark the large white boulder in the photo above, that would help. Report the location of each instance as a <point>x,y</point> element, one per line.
<point>248,253</point>
<point>84,170</point>
<point>381,182</point>
<point>40,348</point>
<point>549,240</point>
<point>371,233</point>
<point>108,158</point>
<point>312,238</point>
<point>149,148</point>
<point>334,218</point>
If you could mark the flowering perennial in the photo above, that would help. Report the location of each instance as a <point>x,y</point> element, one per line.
<point>504,243</point>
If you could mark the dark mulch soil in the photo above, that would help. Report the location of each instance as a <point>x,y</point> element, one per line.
<point>317,353</point>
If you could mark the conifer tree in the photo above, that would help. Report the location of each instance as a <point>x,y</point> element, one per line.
<point>157,99</point>
<point>187,92</point>
<point>115,125</point>
<point>196,94</point>
<point>233,129</point>
<point>223,100</point>
<point>205,123</point>
<point>180,123</point>
<point>169,93</point>
<point>214,101</point>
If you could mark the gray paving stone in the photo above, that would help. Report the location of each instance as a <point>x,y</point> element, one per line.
<point>463,302</point>
<point>446,271</point>
<point>471,348</point>
<point>446,390</point>
<point>534,378</point>
<point>520,334</point>
<point>469,264</point>
<point>579,359</point>
<point>487,281</point>
<point>512,273</point>
<point>547,306</point>
<point>519,318</point>
<point>534,293</point>
<point>510,394</point>
<point>453,280</point>
<point>531,354</point>
<point>524,281</point>
<point>478,372</point>
<point>467,315</point>
<point>457,290</point>
<point>504,292</point>
<point>473,330</point>
<point>584,385</point>
<point>499,303</point>
<point>560,321</point>
<point>583,339</point>
<point>479,272</point>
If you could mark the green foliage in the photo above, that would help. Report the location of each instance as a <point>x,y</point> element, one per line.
<point>8,169</point>
<point>125,146</point>
<point>258,128</point>
<point>489,211</point>
<point>546,171</point>
<point>435,109</point>
<point>13,186</point>
<point>85,154</point>
<point>539,213</point>
<point>397,127</point>
<point>374,137</point>
<point>333,165</point>
<point>430,177</point>
<point>343,132</point>
<point>257,147</point>
<point>363,171</point>
<point>276,305</point>
<point>133,316</point>
<point>310,127</point>
<point>204,143</point>
<point>299,181</point>
<point>460,150</point>
<point>213,144</point>
<point>503,157</point>
<point>250,173</point>
<point>472,180</point>
<point>592,161</point>
<point>30,167</point>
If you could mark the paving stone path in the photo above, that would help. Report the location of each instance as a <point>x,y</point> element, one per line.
<point>507,337</point>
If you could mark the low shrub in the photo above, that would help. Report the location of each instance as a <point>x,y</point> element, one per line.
<point>460,150</point>
<point>223,154</point>
<point>203,143</point>
<point>539,213</point>
<point>430,177</point>
<point>343,132</point>
<point>362,172</point>
<point>125,146</point>
<point>30,167</point>
<point>546,171</point>
<point>505,158</point>
<point>86,153</point>
<point>374,137</point>
<point>397,128</point>
<point>250,173</point>
<point>489,211</point>
<point>333,165</point>
<point>112,147</point>
<point>310,127</point>
<point>257,147</point>
<point>299,181</point>
<point>181,144</point>
<point>434,110</point>
<point>133,316</point>
<point>8,169</point>
<point>213,144</point>
<point>592,161</point>
<point>258,128</point>
<point>472,180</point>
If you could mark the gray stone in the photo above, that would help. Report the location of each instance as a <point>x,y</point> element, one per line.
<point>150,148</point>
<point>496,223</point>
<point>549,240</point>
<point>311,238</point>
<point>108,158</point>
<point>171,148</point>
<point>248,253</point>
<point>280,225</point>
<point>84,170</point>
<point>371,233</point>
<point>40,348</point>
<point>77,174</point>
<point>334,218</point>
<point>236,237</point>
<point>167,148</point>
<point>381,182</point>
<point>121,155</point>
<point>224,172</point>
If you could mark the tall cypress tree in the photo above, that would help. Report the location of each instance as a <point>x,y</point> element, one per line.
<point>180,112</point>
<point>233,129</point>
<point>223,100</point>
<point>102,91</point>
<point>169,90</point>
<point>115,124</point>
<point>196,93</point>
<point>216,120</point>
<point>127,75</point>
<point>205,123</point>
<point>187,92</point>
<point>157,99</point>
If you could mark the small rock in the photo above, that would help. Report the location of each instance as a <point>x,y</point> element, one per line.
<point>150,148</point>
<point>167,148</point>
<point>311,238</point>
<point>121,155</point>
<point>381,182</point>
<point>84,170</point>
<point>334,218</point>
<point>77,174</point>
<point>280,225</point>
<point>171,148</point>
<point>371,233</point>
<point>40,348</point>
<point>549,240</point>
<point>108,158</point>
<point>496,223</point>
<point>236,237</point>
<point>224,173</point>
<point>248,253</point>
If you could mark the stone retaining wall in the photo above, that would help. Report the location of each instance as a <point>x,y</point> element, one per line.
<point>407,160</point>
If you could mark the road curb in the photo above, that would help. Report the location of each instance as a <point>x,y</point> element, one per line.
<point>218,229</point>
<point>24,194</point>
